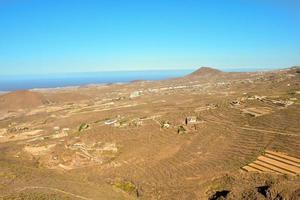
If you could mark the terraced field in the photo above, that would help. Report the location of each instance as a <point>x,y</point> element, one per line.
<point>275,162</point>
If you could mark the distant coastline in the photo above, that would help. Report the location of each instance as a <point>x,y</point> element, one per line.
<point>75,80</point>
<point>60,81</point>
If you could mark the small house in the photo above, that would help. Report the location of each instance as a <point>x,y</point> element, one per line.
<point>134,94</point>
<point>191,120</point>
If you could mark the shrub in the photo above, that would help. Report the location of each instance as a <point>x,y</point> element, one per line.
<point>127,186</point>
<point>181,129</point>
<point>83,127</point>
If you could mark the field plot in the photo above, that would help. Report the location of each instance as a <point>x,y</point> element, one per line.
<point>256,112</point>
<point>275,162</point>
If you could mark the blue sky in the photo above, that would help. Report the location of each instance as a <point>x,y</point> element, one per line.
<point>59,36</point>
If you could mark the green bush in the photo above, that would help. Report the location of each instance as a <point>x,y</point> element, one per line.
<point>127,186</point>
<point>83,127</point>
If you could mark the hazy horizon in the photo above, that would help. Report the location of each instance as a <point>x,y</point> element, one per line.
<point>225,69</point>
<point>21,82</point>
<point>57,80</point>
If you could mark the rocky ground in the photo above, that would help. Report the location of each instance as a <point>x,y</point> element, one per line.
<point>209,135</point>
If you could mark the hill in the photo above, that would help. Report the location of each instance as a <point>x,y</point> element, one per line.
<point>205,71</point>
<point>21,99</point>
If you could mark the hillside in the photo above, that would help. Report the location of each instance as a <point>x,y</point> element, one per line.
<point>216,135</point>
<point>21,100</point>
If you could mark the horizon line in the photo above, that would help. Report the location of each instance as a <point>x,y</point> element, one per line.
<point>96,71</point>
<point>235,69</point>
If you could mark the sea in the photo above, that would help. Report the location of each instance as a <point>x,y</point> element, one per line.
<point>25,82</point>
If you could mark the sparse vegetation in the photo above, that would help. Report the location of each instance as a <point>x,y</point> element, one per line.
<point>164,124</point>
<point>127,187</point>
<point>181,129</point>
<point>262,151</point>
<point>83,127</point>
<point>123,121</point>
<point>291,92</point>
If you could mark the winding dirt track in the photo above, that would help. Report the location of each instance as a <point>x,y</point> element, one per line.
<point>53,189</point>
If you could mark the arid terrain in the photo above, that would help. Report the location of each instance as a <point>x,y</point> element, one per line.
<point>209,135</point>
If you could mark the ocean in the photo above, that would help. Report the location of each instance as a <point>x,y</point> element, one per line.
<point>12,83</point>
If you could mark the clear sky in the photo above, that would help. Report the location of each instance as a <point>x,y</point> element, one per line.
<point>58,36</point>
